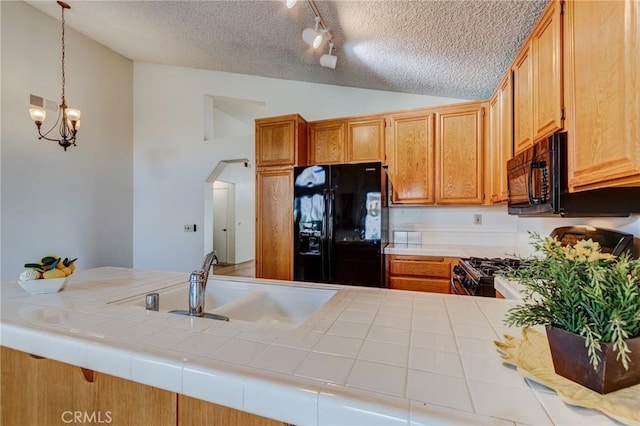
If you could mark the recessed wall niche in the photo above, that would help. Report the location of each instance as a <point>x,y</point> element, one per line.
<point>230,117</point>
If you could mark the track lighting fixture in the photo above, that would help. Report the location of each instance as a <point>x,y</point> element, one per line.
<point>315,36</point>
<point>311,36</point>
<point>329,60</point>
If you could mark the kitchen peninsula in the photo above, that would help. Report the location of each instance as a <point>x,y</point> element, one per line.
<point>367,356</point>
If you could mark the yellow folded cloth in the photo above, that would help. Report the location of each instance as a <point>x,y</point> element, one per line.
<point>532,357</point>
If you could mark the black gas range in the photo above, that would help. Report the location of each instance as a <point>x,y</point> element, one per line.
<point>473,276</point>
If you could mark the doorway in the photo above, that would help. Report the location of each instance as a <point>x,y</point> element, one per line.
<point>229,204</point>
<point>223,221</point>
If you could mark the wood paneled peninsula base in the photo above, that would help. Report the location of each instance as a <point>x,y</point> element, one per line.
<point>39,391</point>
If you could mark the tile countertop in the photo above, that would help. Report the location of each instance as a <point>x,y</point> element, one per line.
<point>452,250</point>
<point>368,356</point>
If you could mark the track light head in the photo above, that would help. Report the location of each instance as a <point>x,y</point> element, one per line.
<point>329,60</point>
<point>312,36</point>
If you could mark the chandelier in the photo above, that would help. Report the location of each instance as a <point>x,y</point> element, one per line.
<point>68,121</point>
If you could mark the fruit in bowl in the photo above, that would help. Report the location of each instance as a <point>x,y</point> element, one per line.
<point>47,276</point>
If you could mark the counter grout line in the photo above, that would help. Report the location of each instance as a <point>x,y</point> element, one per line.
<point>464,370</point>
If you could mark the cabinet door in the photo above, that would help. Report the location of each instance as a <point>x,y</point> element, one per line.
<point>326,142</point>
<point>501,140</point>
<point>365,141</point>
<point>493,148</point>
<point>281,141</point>
<point>417,266</point>
<point>193,411</point>
<point>419,273</point>
<point>274,224</point>
<point>38,391</point>
<point>603,93</point>
<point>411,165</point>
<point>522,100</point>
<point>459,155</point>
<point>546,42</point>
<point>430,285</point>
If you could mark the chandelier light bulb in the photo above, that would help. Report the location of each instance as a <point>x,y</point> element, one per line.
<point>75,125</point>
<point>291,3</point>
<point>38,115</point>
<point>73,114</point>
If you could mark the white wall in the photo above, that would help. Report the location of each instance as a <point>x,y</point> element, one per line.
<point>77,203</point>
<point>171,161</point>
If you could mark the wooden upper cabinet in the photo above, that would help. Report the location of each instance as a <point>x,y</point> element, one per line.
<point>412,158</point>
<point>602,41</point>
<point>281,141</point>
<point>366,140</point>
<point>327,142</point>
<point>501,139</point>
<point>274,223</point>
<point>538,98</point>
<point>349,140</point>
<point>492,149</point>
<point>546,43</point>
<point>523,100</point>
<point>459,155</point>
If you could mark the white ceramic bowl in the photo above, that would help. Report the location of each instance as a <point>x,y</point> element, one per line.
<point>50,285</point>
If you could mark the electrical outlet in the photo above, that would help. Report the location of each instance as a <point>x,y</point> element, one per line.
<point>190,228</point>
<point>477,219</point>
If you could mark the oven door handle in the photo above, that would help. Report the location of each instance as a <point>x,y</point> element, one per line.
<point>455,287</point>
<point>545,190</point>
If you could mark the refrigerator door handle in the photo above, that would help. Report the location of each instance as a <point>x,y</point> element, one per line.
<point>330,212</point>
<point>324,238</point>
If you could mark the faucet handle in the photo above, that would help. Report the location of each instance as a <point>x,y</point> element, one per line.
<point>209,260</point>
<point>198,276</point>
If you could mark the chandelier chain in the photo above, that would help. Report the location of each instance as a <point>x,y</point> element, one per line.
<point>63,79</point>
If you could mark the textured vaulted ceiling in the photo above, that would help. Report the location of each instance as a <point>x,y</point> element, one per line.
<point>453,48</point>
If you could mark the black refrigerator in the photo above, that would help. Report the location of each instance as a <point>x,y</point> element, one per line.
<point>340,224</point>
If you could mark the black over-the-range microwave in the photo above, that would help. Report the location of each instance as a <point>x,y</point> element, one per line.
<point>538,186</point>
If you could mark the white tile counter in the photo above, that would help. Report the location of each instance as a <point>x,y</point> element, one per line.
<point>452,250</point>
<point>368,356</point>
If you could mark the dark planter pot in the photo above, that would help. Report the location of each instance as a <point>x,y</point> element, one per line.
<point>571,360</point>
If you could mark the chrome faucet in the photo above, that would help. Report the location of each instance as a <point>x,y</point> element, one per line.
<point>197,286</point>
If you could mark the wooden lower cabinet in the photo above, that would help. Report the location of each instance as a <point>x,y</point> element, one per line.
<point>195,412</point>
<point>40,391</point>
<point>420,273</point>
<point>274,223</point>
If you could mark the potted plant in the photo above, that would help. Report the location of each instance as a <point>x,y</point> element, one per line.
<point>589,302</point>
